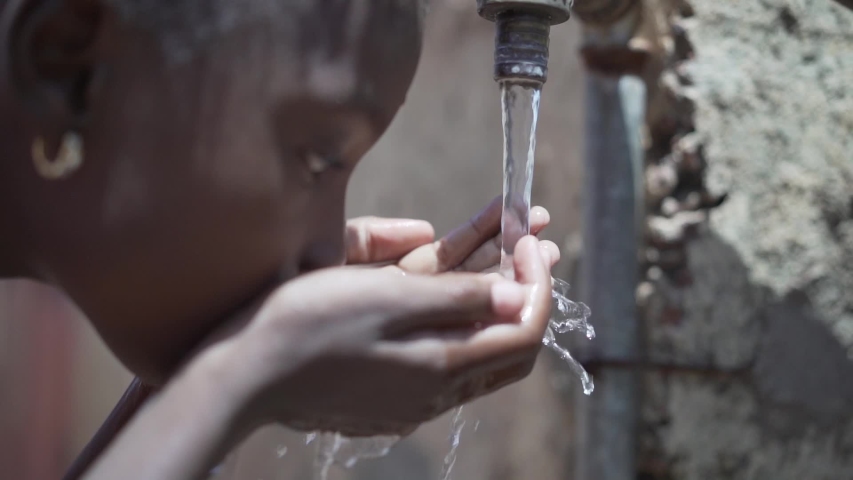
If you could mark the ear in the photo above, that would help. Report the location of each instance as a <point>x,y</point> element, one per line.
<point>56,53</point>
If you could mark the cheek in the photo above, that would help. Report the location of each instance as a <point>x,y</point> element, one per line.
<point>324,221</point>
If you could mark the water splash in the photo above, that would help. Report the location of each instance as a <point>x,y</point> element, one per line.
<point>336,449</point>
<point>567,315</point>
<point>550,341</point>
<point>520,111</point>
<point>281,451</point>
<point>456,426</point>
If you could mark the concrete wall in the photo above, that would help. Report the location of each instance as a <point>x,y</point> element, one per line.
<point>767,284</point>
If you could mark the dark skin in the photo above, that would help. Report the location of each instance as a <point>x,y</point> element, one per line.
<point>203,235</point>
<point>131,236</point>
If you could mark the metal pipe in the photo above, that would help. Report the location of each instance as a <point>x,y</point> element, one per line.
<point>615,111</point>
<point>557,11</point>
<point>608,419</point>
<point>522,31</point>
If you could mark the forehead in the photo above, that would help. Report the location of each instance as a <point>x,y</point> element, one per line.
<point>337,49</point>
<point>187,27</point>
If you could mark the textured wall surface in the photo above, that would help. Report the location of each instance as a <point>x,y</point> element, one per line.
<point>767,289</point>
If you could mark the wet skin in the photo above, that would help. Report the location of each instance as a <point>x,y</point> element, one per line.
<point>196,191</point>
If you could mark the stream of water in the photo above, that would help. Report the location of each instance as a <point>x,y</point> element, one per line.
<point>520,111</point>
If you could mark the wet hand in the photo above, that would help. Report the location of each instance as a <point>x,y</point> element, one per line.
<point>381,350</point>
<point>472,247</point>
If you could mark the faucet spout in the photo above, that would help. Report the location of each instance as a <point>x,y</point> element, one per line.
<point>522,31</point>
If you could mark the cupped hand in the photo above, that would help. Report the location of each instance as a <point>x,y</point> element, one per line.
<point>378,351</point>
<point>472,247</point>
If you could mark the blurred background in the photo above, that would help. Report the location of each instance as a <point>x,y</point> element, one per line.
<point>744,263</point>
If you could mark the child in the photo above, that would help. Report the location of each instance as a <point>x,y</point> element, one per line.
<point>179,167</point>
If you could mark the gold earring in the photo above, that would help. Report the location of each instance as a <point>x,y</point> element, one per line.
<point>68,158</point>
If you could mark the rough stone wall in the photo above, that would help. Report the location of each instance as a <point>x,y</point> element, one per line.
<point>755,301</point>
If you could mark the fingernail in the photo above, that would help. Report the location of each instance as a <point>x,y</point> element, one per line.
<point>507,298</point>
<point>542,214</point>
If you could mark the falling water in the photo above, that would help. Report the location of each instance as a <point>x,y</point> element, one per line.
<point>456,426</point>
<point>520,109</point>
<point>336,449</point>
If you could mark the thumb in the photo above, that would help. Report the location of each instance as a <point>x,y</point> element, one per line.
<point>531,270</point>
<point>376,240</point>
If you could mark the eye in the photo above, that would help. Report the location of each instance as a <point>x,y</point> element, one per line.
<point>318,163</point>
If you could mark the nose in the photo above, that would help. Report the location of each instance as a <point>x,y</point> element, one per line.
<point>323,254</point>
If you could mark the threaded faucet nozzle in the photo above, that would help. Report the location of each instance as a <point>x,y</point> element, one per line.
<point>521,47</point>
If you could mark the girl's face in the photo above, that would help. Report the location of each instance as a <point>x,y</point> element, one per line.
<point>217,157</point>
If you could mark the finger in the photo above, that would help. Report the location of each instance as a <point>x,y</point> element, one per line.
<point>530,267</point>
<point>550,252</point>
<point>539,219</point>
<point>498,344</point>
<point>452,300</point>
<point>374,240</point>
<point>447,253</point>
<point>479,362</point>
<point>489,253</point>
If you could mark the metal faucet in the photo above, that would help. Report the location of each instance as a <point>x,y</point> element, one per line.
<point>522,30</point>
